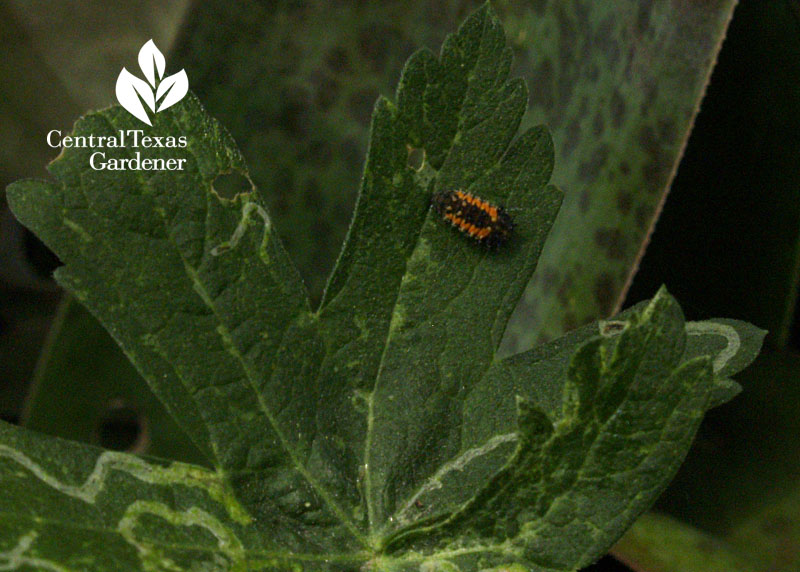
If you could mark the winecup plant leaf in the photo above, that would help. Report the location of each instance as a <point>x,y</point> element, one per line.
<point>610,417</point>
<point>377,432</point>
<point>67,506</point>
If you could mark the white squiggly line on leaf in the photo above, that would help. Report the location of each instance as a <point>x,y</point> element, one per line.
<point>715,328</point>
<point>227,542</point>
<point>174,474</point>
<point>247,212</point>
<point>16,557</point>
<point>457,464</point>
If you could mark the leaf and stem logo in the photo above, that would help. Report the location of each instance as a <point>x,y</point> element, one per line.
<point>158,92</point>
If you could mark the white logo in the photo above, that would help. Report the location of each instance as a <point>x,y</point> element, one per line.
<point>132,91</point>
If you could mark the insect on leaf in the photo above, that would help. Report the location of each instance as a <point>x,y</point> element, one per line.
<point>380,431</point>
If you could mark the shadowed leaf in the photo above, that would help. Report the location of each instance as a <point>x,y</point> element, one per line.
<point>83,378</point>
<point>619,84</point>
<point>658,543</point>
<point>365,435</point>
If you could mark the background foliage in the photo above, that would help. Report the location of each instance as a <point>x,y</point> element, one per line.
<point>295,83</point>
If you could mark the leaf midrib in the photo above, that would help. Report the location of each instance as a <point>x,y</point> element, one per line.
<point>389,330</point>
<point>248,374</point>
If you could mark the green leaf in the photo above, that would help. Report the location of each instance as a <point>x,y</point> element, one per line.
<point>412,314</point>
<point>76,398</point>
<point>67,506</point>
<point>758,279</point>
<point>658,543</point>
<point>740,480</point>
<point>198,293</point>
<point>619,84</point>
<point>731,344</point>
<point>381,431</point>
<point>630,406</point>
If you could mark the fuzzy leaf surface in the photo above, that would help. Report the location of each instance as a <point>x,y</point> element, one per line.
<point>380,431</point>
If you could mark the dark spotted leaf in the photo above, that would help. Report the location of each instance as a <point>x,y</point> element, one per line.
<point>380,431</point>
<point>619,84</point>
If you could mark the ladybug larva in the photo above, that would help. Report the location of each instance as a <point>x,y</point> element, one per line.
<point>479,219</point>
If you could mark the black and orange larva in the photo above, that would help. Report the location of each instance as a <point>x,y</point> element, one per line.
<point>488,224</point>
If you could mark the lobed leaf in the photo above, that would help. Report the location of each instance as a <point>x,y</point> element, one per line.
<point>593,449</point>
<point>413,313</point>
<point>380,432</point>
<point>201,297</point>
<point>74,507</point>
